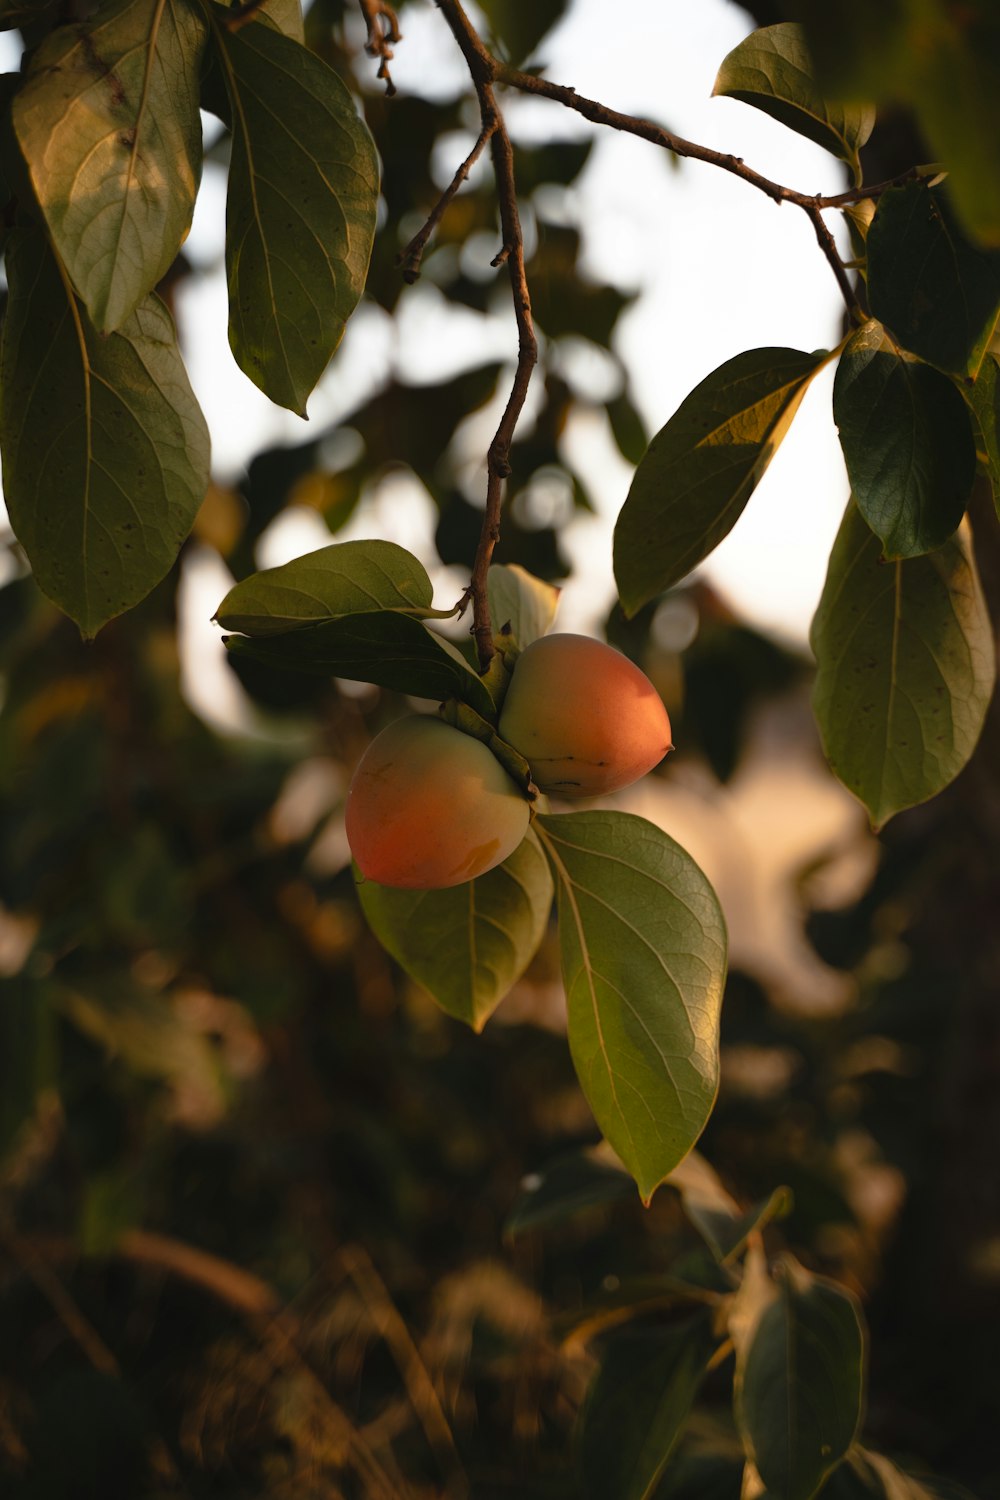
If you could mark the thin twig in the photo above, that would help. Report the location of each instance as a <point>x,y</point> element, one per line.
<point>829,248</point>
<point>381,38</point>
<point>483,69</point>
<point>409,259</point>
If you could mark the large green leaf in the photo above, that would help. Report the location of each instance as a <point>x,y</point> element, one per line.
<point>303,190</point>
<point>938,292</point>
<point>390,649</point>
<point>346,578</point>
<point>907,443</point>
<point>644,960</point>
<point>105,450</point>
<point>702,467</point>
<point>637,1406</point>
<point>984,401</point>
<point>799,1385</point>
<point>772,70</point>
<point>108,122</point>
<point>287,16</point>
<point>470,944</point>
<point>906,667</point>
<point>521,602</point>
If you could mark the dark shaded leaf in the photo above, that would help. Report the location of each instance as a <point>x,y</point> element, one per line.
<point>28,1049</point>
<point>303,189</point>
<point>392,650</point>
<point>905,661</point>
<point>800,1380</point>
<point>772,70</point>
<point>702,467</point>
<point>644,960</point>
<point>105,449</point>
<point>907,443</point>
<point>563,1188</point>
<point>521,27</point>
<point>936,291</point>
<point>470,944</point>
<point>108,122</point>
<point>638,1404</point>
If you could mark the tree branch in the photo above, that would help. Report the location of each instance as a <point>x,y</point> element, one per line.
<point>410,258</point>
<point>483,69</point>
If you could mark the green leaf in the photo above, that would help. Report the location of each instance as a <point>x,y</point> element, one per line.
<point>108,122</point>
<point>521,601</point>
<point>105,450</point>
<point>942,60</point>
<point>24,12</point>
<point>644,959</point>
<point>702,467</point>
<point>566,1187</point>
<point>772,70</point>
<point>907,443</point>
<point>303,190</point>
<point>984,402</point>
<point>938,292</point>
<point>393,650</point>
<point>346,578</point>
<point>521,27</point>
<point>638,1405</point>
<point>468,945</point>
<point>799,1384</point>
<point>904,652</point>
<point>28,1048</point>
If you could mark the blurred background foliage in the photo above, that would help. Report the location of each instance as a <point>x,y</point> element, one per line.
<point>263,1228</point>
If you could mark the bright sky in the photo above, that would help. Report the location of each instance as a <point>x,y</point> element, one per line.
<point>721,269</point>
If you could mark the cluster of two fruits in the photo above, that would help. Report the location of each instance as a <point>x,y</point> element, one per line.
<point>430,806</point>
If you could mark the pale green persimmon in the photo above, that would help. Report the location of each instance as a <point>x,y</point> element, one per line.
<point>431,807</point>
<point>584,717</point>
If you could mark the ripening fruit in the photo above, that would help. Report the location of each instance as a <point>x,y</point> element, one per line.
<point>584,717</point>
<point>431,807</point>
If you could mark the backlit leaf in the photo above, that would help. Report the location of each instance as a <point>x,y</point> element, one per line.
<point>521,601</point>
<point>303,189</point>
<point>390,649</point>
<point>105,450</point>
<point>467,945</point>
<point>346,578</point>
<point>905,661</point>
<point>287,16</point>
<point>108,122</point>
<point>638,1404</point>
<point>644,959</point>
<point>723,1225</point>
<point>907,443</point>
<point>772,70</point>
<point>701,468</point>
<point>800,1382</point>
<point>937,291</point>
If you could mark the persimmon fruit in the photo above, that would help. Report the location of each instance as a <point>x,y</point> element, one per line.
<point>431,807</point>
<point>585,718</point>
